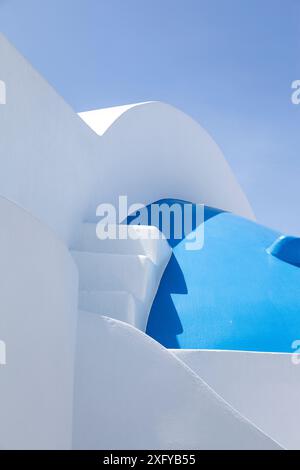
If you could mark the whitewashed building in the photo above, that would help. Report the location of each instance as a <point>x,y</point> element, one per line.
<point>78,367</point>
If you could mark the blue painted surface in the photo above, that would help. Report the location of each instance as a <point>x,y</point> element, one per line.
<point>231,295</point>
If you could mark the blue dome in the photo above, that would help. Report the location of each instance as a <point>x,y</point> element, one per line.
<point>232,294</point>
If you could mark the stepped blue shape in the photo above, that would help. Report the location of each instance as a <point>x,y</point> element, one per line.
<point>231,295</point>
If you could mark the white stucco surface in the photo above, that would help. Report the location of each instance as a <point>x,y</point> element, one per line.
<point>48,155</point>
<point>119,278</point>
<point>167,154</point>
<point>38,304</point>
<point>137,240</point>
<point>101,119</point>
<point>264,387</point>
<point>60,170</point>
<point>131,393</point>
<point>120,305</point>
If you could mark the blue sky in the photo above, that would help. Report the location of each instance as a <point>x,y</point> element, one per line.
<point>228,63</point>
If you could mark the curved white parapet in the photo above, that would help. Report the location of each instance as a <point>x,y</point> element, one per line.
<point>101,119</point>
<point>49,158</point>
<point>164,153</point>
<point>38,304</point>
<point>264,387</point>
<point>56,167</point>
<point>131,393</point>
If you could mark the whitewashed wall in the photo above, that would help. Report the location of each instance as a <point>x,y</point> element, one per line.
<point>56,167</point>
<point>131,393</point>
<point>47,154</point>
<point>155,151</point>
<point>38,315</point>
<point>264,387</point>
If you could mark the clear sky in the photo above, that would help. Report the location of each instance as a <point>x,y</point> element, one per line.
<point>228,63</point>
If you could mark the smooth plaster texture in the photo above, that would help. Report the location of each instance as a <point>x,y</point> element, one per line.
<point>60,170</point>
<point>38,300</point>
<point>112,268</point>
<point>264,387</point>
<point>131,393</point>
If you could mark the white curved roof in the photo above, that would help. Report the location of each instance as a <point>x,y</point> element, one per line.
<point>156,151</point>
<point>99,120</point>
<point>147,151</point>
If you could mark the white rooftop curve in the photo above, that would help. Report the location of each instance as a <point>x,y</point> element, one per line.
<point>164,153</point>
<point>99,120</point>
<point>148,151</point>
